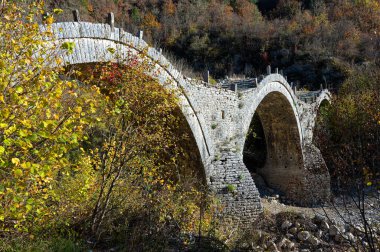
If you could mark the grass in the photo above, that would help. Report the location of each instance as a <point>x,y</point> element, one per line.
<point>39,244</point>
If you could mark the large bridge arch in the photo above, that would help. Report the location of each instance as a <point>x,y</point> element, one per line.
<point>98,43</point>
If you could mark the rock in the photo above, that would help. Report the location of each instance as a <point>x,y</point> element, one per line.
<point>244,245</point>
<point>338,238</point>
<point>313,227</point>
<point>291,245</point>
<point>259,234</point>
<point>289,236</point>
<point>334,230</point>
<point>350,237</point>
<point>286,224</point>
<point>357,229</point>
<point>313,240</point>
<point>297,224</point>
<point>347,227</point>
<point>341,237</point>
<point>287,244</point>
<point>325,226</point>
<point>293,230</point>
<point>352,229</point>
<point>303,235</point>
<point>284,243</point>
<point>318,234</point>
<point>302,216</point>
<point>272,247</point>
<point>319,218</point>
<point>365,244</point>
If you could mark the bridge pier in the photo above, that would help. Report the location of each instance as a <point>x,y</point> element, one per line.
<point>234,186</point>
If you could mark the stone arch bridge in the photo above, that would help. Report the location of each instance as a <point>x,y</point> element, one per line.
<point>220,120</point>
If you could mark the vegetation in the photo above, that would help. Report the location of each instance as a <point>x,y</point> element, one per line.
<point>102,154</point>
<point>349,137</point>
<point>315,42</point>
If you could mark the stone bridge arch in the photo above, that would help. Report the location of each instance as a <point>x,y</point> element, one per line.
<point>293,165</point>
<point>97,43</point>
<point>274,105</point>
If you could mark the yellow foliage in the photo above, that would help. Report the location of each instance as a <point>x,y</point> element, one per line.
<point>37,130</point>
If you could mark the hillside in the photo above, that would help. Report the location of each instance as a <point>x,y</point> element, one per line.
<point>314,42</point>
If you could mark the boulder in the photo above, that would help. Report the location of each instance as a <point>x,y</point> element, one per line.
<point>318,234</point>
<point>334,230</point>
<point>319,218</point>
<point>272,247</point>
<point>293,230</point>
<point>286,224</point>
<point>350,237</point>
<point>303,235</point>
<point>286,244</point>
<point>313,240</point>
<point>325,226</point>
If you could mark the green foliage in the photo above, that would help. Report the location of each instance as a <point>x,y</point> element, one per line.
<point>110,157</point>
<point>69,46</point>
<point>47,245</point>
<point>349,131</point>
<point>231,188</point>
<point>304,38</point>
<point>42,121</point>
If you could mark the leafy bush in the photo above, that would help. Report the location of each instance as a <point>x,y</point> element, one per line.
<point>42,121</point>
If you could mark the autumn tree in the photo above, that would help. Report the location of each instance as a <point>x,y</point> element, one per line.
<point>42,120</point>
<point>348,135</point>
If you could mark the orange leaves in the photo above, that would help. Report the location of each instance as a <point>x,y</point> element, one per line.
<point>150,21</point>
<point>169,7</point>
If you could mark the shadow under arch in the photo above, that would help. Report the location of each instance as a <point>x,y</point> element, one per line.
<point>277,132</point>
<point>189,168</point>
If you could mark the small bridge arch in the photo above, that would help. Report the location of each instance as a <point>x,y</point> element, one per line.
<point>274,105</point>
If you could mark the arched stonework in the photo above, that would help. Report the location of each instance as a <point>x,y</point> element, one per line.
<point>96,43</point>
<point>292,161</point>
<point>219,120</point>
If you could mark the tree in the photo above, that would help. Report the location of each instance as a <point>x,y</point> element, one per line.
<point>42,120</point>
<point>349,139</point>
<point>143,157</point>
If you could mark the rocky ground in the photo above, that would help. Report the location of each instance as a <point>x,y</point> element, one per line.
<point>337,226</point>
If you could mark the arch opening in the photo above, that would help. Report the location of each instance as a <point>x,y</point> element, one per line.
<point>272,147</point>
<point>319,120</point>
<point>255,148</point>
